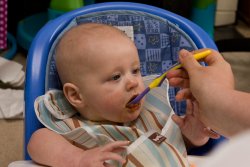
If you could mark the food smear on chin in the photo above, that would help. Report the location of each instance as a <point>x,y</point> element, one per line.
<point>133,107</point>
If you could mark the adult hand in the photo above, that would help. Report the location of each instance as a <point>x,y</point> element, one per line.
<point>196,133</point>
<point>199,81</point>
<point>208,85</point>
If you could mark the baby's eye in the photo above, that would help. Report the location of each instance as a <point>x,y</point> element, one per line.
<point>136,71</point>
<point>116,77</point>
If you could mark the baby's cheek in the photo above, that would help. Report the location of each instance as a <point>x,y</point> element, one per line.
<point>111,101</point>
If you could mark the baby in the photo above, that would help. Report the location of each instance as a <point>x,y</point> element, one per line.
<point>99,68</point>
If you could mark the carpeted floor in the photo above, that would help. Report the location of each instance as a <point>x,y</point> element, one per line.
<point>12,130</point>
<point>11,141</point>
<point>240,63</point>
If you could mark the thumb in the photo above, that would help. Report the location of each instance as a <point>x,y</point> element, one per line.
<point>188,61</point>
<point>179,121</point>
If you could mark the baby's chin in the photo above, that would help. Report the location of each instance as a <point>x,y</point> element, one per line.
<point>133,114</point>
<point>127,116</point>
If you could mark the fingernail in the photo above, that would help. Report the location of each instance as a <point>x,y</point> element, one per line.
<point>184,53</point>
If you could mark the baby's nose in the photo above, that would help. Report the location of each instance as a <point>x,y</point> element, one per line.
<point>132,83</point>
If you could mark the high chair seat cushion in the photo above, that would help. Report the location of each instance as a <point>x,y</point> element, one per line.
<point>155,139</point>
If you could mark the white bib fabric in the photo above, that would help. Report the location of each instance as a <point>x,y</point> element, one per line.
<point>155,139</point>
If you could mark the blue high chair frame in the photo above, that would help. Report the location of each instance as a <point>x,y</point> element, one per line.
<point>41,45</point>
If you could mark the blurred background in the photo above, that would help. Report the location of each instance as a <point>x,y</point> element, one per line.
<point>219,18</point>
<point>226,21</point>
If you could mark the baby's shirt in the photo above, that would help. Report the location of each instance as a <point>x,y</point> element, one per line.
<point>155,139</point>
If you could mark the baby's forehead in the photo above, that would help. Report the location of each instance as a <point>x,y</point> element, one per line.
<point>85,35</point>
<point>94,29</point>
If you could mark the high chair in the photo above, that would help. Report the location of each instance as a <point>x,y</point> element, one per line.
<point>157,33</point>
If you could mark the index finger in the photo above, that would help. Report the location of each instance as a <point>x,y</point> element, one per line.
<point>214,58</point>
<point>178,73</point>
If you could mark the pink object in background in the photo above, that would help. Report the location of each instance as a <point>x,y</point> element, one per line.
<point>3,24</point>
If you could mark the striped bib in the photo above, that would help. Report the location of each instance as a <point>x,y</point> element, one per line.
<point>156,141</point>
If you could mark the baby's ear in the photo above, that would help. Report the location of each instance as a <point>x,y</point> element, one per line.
<point>73,95</point>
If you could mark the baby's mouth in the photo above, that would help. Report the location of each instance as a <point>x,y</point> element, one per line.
<point>133,107</point>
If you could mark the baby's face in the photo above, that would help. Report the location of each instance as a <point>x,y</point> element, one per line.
<point>112,80</point>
